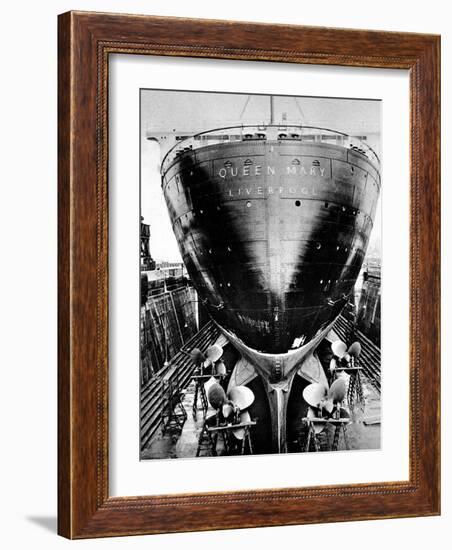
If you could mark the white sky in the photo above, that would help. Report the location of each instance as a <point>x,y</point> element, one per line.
<point>175,112</point>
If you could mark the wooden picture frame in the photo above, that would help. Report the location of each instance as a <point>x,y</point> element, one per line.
<point>86,40</point>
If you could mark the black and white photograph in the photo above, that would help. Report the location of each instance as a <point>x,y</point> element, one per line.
<point>260,274</point>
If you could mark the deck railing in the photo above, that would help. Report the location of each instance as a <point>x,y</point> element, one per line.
<point>250,133</point>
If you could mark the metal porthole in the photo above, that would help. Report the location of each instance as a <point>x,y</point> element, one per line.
<point>297,203</point>
<point>248,204</point>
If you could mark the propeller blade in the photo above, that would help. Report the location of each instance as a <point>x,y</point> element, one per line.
<point>337,391</point>
<point>216,396</point>
<point>214,353</point>
<point>227,410</point>
<point>240,432</point>
<point>314,394</point>
<point>241,396</point>
<point>339,348</point>
<point>333,364</point>
<point>328,405</point>
<point>220,368</point>
<point>212,380</point>
<point>355,350</point>
<point>197,356</point>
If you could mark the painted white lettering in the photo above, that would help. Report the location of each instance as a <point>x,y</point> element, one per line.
<point>222,173</point>
<point>313,172</point>
<point>257,170</point>
<point>322,171</point>
<point>270,170</point>
<point>246,170</point>
<point>292,170</point>
<point>234,171</point>
<point>259,191</point>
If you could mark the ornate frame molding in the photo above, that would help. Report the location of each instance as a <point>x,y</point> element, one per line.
<point>85,42</point>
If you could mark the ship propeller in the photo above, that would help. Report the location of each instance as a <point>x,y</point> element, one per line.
<point>239,399</point>
<point>355,350</point>
<point>216,396</point>
<point>197,356</point>
<point>321,397</point>
<point>220,368</point>
<point>339,348</point>
<point>314,394</point>
<point>213,353</point>
<point>337,390</point>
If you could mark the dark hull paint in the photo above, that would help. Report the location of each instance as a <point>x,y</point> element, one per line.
<point>273,234</point>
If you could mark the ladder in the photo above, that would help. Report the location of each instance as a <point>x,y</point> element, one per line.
<point>200,394</point>
<point>174,414</point>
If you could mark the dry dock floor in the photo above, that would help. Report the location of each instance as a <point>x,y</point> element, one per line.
<point>363,432</point>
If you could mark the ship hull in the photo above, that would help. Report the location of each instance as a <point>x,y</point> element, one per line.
<point>273,234</point>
